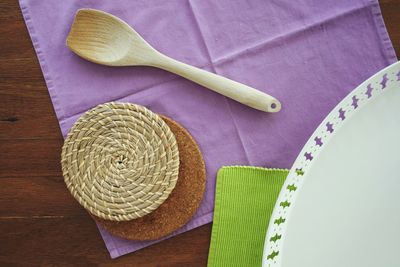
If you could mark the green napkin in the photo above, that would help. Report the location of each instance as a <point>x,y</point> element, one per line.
<point>244,200</point>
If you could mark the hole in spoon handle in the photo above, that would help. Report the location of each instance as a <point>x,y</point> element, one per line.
<point>274,106</point>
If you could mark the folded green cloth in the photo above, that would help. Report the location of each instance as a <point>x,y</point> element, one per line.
<point>244,200</point>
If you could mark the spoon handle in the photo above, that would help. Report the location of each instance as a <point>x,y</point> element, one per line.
<point>224,86</point>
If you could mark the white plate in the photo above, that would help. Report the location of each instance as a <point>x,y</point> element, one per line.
<point>340,205</point>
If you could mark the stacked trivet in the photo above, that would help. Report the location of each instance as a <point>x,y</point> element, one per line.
<point>140,175</point>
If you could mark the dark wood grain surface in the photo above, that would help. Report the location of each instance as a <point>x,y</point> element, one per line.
<point>40,223</point>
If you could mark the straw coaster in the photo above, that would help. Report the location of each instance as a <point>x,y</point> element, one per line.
<point>120,161</point>
<point>181,205</point>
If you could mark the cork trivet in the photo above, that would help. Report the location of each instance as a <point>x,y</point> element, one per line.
<point>182,203</point>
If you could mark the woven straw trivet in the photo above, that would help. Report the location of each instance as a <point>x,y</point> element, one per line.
<point>181,205</point>
<point>120,161</point>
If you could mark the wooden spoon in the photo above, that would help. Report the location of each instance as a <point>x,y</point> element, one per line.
<point>105,39</point>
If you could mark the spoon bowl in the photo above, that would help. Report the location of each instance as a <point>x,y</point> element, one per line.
<point>105,39</point>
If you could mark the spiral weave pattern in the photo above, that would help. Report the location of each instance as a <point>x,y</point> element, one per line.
<point>120,161</point>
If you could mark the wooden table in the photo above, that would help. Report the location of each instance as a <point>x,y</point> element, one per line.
<point>40,223</point>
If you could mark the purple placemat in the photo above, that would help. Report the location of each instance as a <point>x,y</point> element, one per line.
<point>309,54</point>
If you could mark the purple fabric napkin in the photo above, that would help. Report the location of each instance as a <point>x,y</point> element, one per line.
<point>308,53</point>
